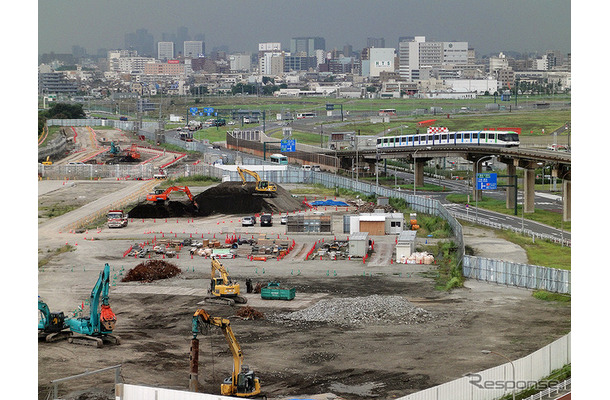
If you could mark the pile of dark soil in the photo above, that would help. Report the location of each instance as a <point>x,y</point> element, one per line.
<point>151,270</point>
<point>224,198</point>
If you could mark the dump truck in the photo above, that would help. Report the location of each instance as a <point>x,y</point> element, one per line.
<point>117,219</point>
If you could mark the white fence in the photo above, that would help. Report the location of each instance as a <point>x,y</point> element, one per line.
<point>134,392</point>
<point>517,274</point>
<point>498,381</point>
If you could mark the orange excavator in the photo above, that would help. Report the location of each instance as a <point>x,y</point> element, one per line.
<point>160,196</point>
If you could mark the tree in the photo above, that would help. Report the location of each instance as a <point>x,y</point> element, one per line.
<point>60,111</point>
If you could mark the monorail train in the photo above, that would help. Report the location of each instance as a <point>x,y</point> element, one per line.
<point>446,138</point>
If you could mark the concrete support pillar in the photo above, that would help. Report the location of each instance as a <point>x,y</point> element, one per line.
<point>477,195</point>
<point>510,190</point>
<point>529,179</point>
<point>419,172</point>
<point>567,200</point>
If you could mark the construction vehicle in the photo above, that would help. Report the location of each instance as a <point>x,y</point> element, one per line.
<point>222,289</point>
<point>117,219</point>
<point>160,196</point>
<point>95,328</point>
<point>242,382</point>
<point>47,161</point>
<point>51,326</point>
<point>262,187</point>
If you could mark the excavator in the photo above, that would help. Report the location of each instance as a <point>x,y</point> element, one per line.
<point>222,289</point>
<point>262,187</point>
<point>160,196</point>
<point>242,382</point>
<point>97,327</point>
<point>51,326</point>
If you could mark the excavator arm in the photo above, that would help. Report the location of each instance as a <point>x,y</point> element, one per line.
<point>158,197</point>
<point>242,383</point>
<point>262,186</point>
<point>218,267</point>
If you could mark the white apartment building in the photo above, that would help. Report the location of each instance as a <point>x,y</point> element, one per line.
<point>114,56</point>
<point>271,63</point>
<point>133,64</point>
<point>193,48</point>
<point>418,54</point>
<point>165,50</point>
<point>239,62</point>
<point>380,60</point>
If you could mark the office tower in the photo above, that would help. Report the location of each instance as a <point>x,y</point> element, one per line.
<point>165,50</point>
<point>193,48</point>
<point>307,45</point>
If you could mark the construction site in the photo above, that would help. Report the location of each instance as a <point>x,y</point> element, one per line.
<point>319,314</point>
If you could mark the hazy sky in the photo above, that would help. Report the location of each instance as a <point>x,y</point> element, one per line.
<point>490,26</point>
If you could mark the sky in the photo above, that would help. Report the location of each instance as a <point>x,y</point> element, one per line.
<point>489,26</point>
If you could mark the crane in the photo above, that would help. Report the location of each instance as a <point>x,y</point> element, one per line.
<point>159,196</point>
<point>262,187</point>
<point>97,327</point>
<point>222,289</point>
<point>242,382</point>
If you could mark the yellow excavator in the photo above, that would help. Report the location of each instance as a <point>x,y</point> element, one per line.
<point>262,187</point>
<point>222,289</point>
<point>242,382</point>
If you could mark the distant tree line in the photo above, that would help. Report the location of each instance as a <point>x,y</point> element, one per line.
<point>60,111</point>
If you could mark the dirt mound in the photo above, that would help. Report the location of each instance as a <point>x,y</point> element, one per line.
<point>151,270</point>
<point>224,198</point>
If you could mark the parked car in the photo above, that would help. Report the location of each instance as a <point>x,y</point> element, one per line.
<point>266,220</point>
<point>284,220</point>
<point>248,221</point>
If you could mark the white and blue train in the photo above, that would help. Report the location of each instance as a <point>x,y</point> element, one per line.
<point>442,137</point>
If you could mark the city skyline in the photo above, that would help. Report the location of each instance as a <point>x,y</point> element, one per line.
<point>522,26</point>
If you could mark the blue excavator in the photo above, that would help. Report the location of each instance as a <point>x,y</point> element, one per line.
<point>51,326</point>
<point>97,327</point>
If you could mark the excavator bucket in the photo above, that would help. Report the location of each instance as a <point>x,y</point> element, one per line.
<point>107,318</point>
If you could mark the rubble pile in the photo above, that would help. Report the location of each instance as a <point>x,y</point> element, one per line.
<point>373,309</point>
<point>151,270</point>
<point>248,312</point>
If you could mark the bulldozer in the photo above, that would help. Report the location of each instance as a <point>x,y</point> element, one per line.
<point>243,382</point>
<point>222,289</point>
<point>262,187</point>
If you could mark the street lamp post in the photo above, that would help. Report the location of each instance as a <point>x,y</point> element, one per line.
<point>511,363</point>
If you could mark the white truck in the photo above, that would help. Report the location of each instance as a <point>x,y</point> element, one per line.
<point>117,219</point>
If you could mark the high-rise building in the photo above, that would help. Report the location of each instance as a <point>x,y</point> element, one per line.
<point>417,54</point>
<point>141,41</point>
<point>379,60</point>
<point>308,45</point>
<point>375,42</point>
<point>165,50</point>
<point>193,48</point>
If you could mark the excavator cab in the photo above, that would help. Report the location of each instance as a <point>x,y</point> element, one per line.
<point>247,384</point>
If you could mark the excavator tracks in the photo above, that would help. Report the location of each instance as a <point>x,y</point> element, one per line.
<point>228,301</point>
<point>98,342</point>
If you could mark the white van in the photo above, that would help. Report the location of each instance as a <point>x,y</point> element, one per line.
<point>315,168</point>
<point>306,167</point>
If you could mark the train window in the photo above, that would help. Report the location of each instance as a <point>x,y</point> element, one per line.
<point>491,136</point>
<point>458,136</point>
<point>385,141</point>
<point>467,136</point>
<point>444,137</point>
<point>452,136</point>
<point>430,138</point>
<point>391,140</point>
<point>378,141</point>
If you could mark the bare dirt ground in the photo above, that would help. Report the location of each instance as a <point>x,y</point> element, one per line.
<point>384,359</point>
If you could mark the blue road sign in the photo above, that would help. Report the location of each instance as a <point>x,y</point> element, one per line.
<point>487,181</point>
<point>288,145</point>
<point>193,110</point>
